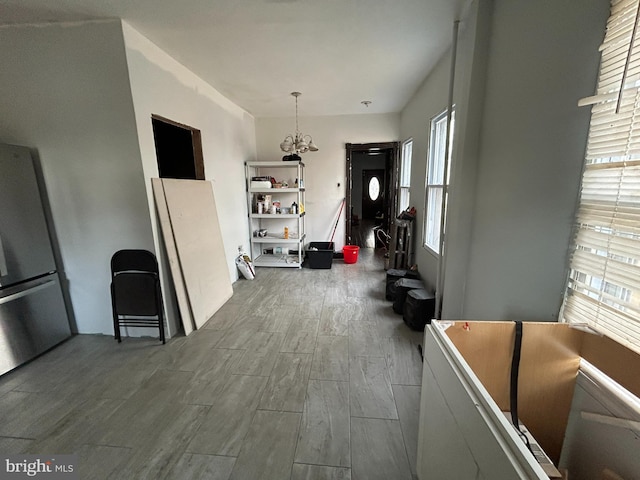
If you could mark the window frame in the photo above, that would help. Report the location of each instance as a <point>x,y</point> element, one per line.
<point>436,156</point>
<point>404,177</point>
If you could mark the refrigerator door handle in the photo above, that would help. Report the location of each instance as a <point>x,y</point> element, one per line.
<point>3,260</point>
<point>28,291</point>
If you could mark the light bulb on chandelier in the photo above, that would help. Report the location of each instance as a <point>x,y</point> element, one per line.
<point>299,142</point>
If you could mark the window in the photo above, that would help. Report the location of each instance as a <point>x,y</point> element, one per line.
<point>405,176</point>
<point>435,183</point>
<point>374,189</point>
<point>603,287</point>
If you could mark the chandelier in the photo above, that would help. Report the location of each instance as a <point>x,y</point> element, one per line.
<point>298,143</point>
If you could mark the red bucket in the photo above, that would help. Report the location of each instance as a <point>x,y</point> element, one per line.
<point>350,253</point>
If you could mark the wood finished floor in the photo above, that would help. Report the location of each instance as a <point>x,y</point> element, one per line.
<point>302,375</point>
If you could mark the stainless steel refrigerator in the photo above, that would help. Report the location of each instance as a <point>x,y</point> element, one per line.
<point>33,317</point>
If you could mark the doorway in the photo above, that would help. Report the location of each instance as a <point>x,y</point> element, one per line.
<point>371,171</point>
<point>178,149</point>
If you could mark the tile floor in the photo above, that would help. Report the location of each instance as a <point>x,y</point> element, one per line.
<point>303,374</point>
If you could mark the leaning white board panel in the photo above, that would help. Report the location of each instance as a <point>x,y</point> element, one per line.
<point>198,238</point>
<point>172,256</point>
<point>450,390</point>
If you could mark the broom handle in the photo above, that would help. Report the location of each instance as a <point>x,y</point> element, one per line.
<point>337,220</point>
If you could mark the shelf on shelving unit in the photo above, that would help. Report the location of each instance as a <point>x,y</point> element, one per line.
<point>271,239</point>
<point>277,260</point>
<point>295,222</point>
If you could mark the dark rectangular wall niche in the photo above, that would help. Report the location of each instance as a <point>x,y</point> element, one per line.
<point>178,150</point>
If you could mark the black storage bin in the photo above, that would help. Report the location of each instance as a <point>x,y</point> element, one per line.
<point>402,287</point>
<point>394,275</point>
<point>320,258</point>
<point>419,307</point>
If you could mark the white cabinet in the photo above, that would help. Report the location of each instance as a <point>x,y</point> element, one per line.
<point>276,213</point>
<point>466,390</point>
<point>462,433</point>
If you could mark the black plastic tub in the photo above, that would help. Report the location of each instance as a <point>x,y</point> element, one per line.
<point>320,258</point>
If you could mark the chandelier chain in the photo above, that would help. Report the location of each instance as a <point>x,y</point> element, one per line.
<point>297,129</point>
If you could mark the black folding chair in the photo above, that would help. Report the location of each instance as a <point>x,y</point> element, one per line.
<point>136,297</point>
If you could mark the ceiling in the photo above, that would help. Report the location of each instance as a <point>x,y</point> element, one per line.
<point>255,52</point>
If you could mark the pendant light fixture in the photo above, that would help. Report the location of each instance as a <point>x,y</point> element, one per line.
<point>298,143</point>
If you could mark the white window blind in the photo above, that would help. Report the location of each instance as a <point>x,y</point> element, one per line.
<point>604,278</point>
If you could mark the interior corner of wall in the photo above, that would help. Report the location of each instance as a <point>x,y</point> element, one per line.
<point>152,53</point>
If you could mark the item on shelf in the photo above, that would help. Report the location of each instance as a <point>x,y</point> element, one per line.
<point>260,184</point>
<point>294,208</point>
<point>262,232</point>
<point>286,233</point>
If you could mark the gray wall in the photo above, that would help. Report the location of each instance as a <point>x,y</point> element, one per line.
<point>66,94</point>
<point>429,101</point>
<point>69,96</point>
<point>517,156</point>
<point>532,143</point>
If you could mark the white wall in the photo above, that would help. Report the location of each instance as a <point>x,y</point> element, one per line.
<point>325,169</point>
<point>65,93</point>
<point>160,85</point>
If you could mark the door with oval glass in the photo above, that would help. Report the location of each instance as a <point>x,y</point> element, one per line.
<point>373,190</point>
